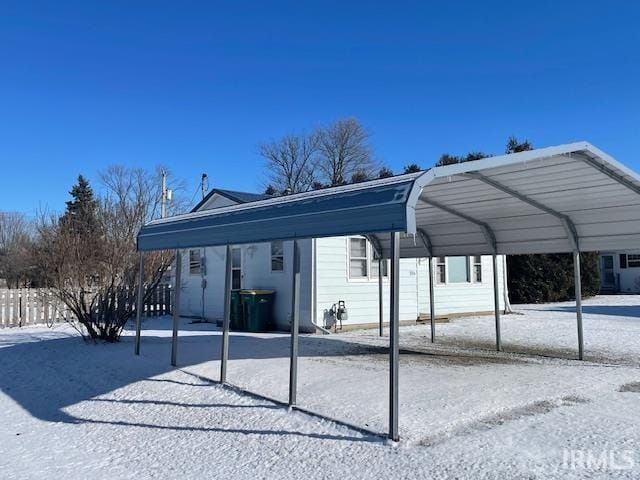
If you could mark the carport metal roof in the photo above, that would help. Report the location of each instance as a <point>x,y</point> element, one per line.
<point>554,199</point>
<point>566,198</point>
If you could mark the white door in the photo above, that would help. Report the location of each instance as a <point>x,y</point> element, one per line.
<point>607,275</point>
<point>236,268</point>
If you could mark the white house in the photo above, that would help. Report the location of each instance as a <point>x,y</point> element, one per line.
<point>620,271</point>
<point>332,270</point>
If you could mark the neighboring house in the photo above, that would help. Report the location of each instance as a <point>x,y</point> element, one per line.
<point>331,269</point>
<point>620,271</point>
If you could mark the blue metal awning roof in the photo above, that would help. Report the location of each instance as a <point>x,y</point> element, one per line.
<point>378,206</point>
<point>549,200</point>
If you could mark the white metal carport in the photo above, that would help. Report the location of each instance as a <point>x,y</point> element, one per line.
<point>568,198</point>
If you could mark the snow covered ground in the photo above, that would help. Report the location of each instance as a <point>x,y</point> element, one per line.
<point>74,410</point>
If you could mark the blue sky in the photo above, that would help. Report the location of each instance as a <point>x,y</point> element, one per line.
<point>196,86</point>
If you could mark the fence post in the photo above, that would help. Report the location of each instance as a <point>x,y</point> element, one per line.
<point>3,306</point>
<point>16,307</point>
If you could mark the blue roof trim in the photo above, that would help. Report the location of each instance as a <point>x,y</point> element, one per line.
<point>376,208</point>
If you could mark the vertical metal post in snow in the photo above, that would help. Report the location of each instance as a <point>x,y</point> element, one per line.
<point>139,305</point>
<point>578,287</point>
<point>496,302</point>
<point>224,352</point>
<point>394,333</point>
<point>176,308</point>
<point>432,302</point>
<point>295,320</point>
<point>380,303</point>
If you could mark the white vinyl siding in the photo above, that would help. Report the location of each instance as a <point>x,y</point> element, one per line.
<point>333,283</point>
<point>256,274</point>
<point>626,273</point>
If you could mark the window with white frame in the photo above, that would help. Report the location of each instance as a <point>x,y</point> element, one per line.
<point>374,267</point>
<point>195,264</point>
<point>633,260</point>
<point>363,263</point>
<point>477,269</point>
<point>277,256</point>
<point>358,258</point>
<point>458,270</point>
<point>441,270</point>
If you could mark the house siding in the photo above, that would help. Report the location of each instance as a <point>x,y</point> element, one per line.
<point>627,279</point>
<point>361,296</point>
<point>332,285</point>
<point>256,274</point>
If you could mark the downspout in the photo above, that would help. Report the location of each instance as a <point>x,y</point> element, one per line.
<point>505,286</point>
<point>314,289</point>
<point>203,270</point>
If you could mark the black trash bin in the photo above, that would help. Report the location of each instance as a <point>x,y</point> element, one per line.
<point>237,319</point>
<point>258,309</point>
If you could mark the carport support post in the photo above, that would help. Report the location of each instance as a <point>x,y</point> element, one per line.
<point>578,286</point>
<point>176,308</point>
<point>496,301</point>
<point>432,304</point>
<point>224,353</point>
<point>380,306</point>
<point>295,321</point>
<point>139,304</point>
<point>394,333</point>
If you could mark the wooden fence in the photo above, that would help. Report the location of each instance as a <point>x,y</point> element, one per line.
<point>33,306</point>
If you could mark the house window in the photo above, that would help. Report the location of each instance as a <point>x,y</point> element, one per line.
<point>441,270</point>
<point>195,264</point>
<point>358,258</point>
<point>236,269</point>
<point>477,268</point>
<point>277,257</point>
<point>458,269</point>
<point>374,268</point>
<point>633,260</point>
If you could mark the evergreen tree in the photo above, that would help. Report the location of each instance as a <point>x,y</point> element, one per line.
<point>548,277</point>
<point>359,176</point>
<point>80,214</point>
<point>385,173</point>
<point>412,168</point>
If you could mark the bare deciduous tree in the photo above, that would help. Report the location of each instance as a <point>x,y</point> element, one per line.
<point>94,271</point>
<point>16,243</point>
<point>290,162</point>
<point>345,152</point>
<point>328,156</point>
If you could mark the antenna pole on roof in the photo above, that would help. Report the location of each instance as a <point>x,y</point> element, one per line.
<point>204,184</point>
<point>163,201</point>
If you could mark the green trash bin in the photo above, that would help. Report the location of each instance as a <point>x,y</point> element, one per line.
<point>258,309</point>
<point>237,319</point>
